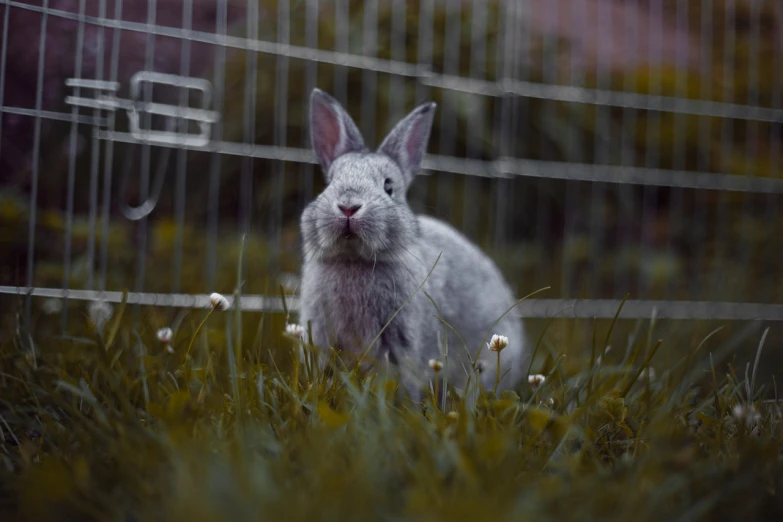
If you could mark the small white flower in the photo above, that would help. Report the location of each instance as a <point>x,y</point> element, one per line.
<point>218,301</point>
<point>165,335</point>
<point>99,312</point>
<point>295,330</point>
<point>436,365</point>
<point>497,343</point>
<point>536,380</point>
<point>453,415</point>
<point>648,373</point>
<point>289,281</point>
<point>52,306</point>
<point>746,413</point>
<point>601,357</point>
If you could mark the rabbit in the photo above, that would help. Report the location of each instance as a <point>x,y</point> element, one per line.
<point>365,254</point>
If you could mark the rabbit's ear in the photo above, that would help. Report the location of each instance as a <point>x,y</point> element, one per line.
<point>332,131</point>
<point>407,142</point>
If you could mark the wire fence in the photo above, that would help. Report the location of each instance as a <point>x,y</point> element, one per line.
<point>602,148</point>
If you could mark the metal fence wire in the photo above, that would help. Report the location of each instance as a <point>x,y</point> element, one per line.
<point>600,147</point>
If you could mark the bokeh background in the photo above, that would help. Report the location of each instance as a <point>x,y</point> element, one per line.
<point>602,148</point>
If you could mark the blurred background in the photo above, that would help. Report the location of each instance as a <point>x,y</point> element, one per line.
<point>603,148</point>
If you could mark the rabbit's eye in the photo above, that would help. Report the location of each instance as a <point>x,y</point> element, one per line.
<point>387,186</point>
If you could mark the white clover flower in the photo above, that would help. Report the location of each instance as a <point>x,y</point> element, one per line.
<point>536,380</point>
<point>648,373</point>
<point>497,343</point>
<point>219,301</point>
<point>601,357</point>
<point>165,335</point>
<point>453,415</point>
<point>289,281</point>
<point>99,312</point>
<point>52,306</point>
<point>295,330</point>
<point>746,413</point>
<point>436,365</point>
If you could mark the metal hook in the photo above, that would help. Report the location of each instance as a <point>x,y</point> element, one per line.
<point>145,208</point>
<point>106,99</point>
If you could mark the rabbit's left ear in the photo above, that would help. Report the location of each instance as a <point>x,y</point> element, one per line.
<point>407,142</point>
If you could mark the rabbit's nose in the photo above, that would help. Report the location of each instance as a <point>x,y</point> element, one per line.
<point>349,210</point>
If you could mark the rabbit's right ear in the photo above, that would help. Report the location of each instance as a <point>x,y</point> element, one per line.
<point>332,131</point>
<point>407,142</point>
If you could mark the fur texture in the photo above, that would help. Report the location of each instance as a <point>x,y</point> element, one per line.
<point>365,254</point>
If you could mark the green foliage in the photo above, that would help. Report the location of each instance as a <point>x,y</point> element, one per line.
<point>109,423</point>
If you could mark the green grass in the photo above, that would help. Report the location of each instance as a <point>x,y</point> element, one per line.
<point>109,424</point>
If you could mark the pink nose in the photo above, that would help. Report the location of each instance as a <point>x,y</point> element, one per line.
<point>349,211</point>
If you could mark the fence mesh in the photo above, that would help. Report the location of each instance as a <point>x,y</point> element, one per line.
<point>600,147</point>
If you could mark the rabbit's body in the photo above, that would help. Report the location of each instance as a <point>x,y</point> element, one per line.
<point>366,254</point>
<point>471,295</point>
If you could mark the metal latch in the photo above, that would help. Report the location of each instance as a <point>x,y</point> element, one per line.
<point>106,99</point>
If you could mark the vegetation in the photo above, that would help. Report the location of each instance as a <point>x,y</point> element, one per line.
<point>121,421</point>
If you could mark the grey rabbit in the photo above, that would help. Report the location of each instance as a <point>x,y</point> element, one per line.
<point>365,253</point>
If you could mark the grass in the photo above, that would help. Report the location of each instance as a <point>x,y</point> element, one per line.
<point>111,424</point>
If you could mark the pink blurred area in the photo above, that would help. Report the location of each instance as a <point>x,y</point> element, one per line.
<point>615,34</point>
